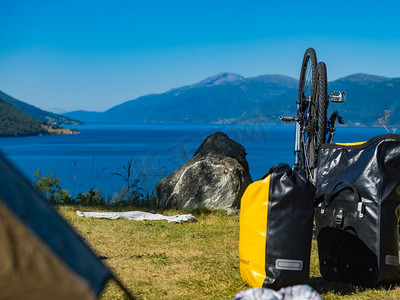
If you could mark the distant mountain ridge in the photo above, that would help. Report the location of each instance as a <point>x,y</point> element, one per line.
<point>220,98</point>
<point>13,122</point>
<point>37,113</point>
<point>228,98</point>
<point>18,118</point>
<point>221,78</point>
<point>362,78</point>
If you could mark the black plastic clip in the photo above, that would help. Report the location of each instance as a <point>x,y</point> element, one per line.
<point>339,219</point>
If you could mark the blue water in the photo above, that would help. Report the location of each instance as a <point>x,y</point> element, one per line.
<point>89,159</point>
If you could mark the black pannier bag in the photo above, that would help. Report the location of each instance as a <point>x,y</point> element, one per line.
<point>276,219</point>
<point>357,220</point>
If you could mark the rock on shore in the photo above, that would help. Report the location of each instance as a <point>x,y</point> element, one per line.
<point>216,177</point>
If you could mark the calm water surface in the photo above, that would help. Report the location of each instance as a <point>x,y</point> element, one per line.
<point>89,159</point>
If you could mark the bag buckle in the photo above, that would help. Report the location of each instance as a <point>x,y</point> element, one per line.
<point>339,219</point>
<point>361,209</point>
<point>322,207</point>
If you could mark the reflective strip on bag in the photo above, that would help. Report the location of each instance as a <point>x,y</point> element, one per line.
<point>289,264</point>
<point>392,260</point>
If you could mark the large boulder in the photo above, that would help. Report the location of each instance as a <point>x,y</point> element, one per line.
<point>216,177</point>
<point>220,143</point>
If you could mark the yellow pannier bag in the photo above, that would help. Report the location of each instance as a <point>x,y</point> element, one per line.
<point>276,219</point>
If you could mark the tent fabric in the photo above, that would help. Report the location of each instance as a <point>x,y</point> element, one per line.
<point>136,216</point>
<point>29,269</point>
<point>29,222</point>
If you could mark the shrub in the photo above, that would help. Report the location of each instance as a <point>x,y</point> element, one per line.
<point>49,186</point>
<point>92,197</point>
<point>130,193</point>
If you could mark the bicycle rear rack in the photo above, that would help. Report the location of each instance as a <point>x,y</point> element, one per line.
<point>337,96</point>
<point>288,119</point>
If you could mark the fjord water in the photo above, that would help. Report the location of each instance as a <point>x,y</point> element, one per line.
<point>91,159</point>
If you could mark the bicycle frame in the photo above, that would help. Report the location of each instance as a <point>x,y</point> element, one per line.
<point>302,163</point>
<point>297,145</point>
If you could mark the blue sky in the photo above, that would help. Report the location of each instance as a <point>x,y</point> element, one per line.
<point>93,55</point>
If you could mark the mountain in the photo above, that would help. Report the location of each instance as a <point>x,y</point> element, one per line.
<point>87,116</point>
<point>13,122</point>
<point>18,118</point>
<point>228,97</point>
<point>367,96</point>
<point>221,98</point>
<point>37,113</point>
<point>362,79</point>
<point>219,79</point>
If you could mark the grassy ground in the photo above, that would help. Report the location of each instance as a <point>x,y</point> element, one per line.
<point>157,260</point>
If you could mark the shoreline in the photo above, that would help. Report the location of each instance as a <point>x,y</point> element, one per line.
<point>59,130</point>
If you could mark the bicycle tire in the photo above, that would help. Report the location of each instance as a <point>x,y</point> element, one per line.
<point>306,94</point>
<point>307,81</point>
<point>322,102</point>
<point>317,127</point>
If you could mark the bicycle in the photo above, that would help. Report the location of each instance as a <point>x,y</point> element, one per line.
<point>312,124</point>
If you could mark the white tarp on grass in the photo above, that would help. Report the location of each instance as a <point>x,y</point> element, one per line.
<point>295,292</point>
<point>136,216</point>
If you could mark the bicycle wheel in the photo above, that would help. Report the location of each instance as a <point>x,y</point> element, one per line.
<point>317,121</point>
<point>308,75</point>
<point>322,103</point>
<point>306,94</point>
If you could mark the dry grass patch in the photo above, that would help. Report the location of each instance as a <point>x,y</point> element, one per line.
<point>160,260</point>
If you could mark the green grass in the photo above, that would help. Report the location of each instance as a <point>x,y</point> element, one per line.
<point>160,260</point>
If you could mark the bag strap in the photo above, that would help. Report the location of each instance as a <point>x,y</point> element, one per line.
<point>318,199</point>
<point>339,215</point>
<point>333,193</point>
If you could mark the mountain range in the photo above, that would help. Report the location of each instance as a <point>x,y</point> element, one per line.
<point>13,122</point>
<point>37,113</point>
<point>18,118</point>
<point>223,98</point>
<point>229,98</point>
